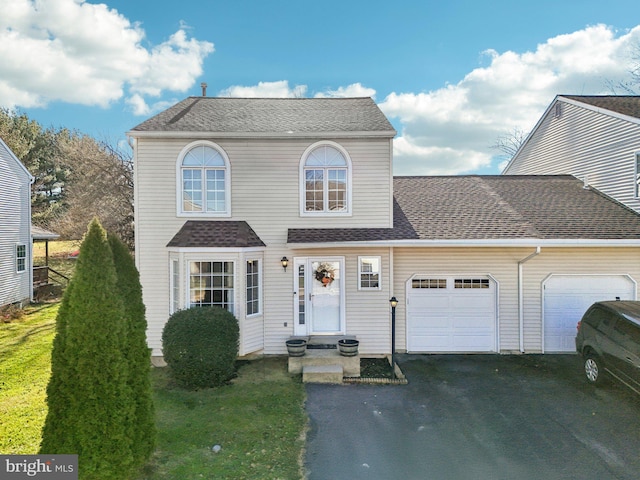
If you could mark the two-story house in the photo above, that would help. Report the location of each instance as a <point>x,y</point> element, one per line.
<point>15,229</point>
<point>286,212</point>
<point>594,138</point>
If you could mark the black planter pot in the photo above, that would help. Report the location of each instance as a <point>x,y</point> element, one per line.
<point>348,347</point>
<point>296,347</point>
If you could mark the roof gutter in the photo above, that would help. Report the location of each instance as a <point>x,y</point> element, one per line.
<point>521,296</point>
<point>522,243</point>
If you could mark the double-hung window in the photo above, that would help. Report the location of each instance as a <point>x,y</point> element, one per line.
<point>369,273</point>
<point>204,180</point>
<point>21,257</point>
<point>325,180</point>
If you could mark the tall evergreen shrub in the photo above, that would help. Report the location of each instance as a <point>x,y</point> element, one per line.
<point>89,396</point>
<point>141,427</point>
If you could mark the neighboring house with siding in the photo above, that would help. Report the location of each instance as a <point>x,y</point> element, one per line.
<point>594,138</point>
<point>15,229</point>
<point>226,188</point>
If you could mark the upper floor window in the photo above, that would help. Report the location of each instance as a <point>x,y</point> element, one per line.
<point>204,180</point>
<point>325,180</point>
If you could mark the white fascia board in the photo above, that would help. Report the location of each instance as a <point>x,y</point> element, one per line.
<point>274,135</point>
<point>563,243</point>
<point>604,111</point>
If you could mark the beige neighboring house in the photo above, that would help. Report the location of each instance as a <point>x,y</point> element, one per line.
<point>594,138</point>
<point>227,188</point>
<point>15,229</point>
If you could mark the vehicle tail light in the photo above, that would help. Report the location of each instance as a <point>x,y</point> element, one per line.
<point>578,326</point>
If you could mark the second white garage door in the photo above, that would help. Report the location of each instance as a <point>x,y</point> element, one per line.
<point>567,297</point>
<point>451,314</point>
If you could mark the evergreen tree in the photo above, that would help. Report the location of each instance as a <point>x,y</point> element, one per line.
<point>90,371</point>
<point>142,425</point>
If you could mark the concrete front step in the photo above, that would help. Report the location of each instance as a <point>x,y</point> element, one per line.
<point>350,365</point>
<point>322,374</point>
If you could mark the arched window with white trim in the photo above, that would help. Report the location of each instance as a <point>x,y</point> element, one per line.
<point>204,176</point>
<point>325,180</point>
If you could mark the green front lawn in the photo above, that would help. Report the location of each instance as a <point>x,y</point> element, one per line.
<point>258,420</point>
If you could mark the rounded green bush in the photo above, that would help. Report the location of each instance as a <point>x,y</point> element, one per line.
<point>200,346</point>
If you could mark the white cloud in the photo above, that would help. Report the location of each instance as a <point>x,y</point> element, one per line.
<point>451,130</point>
<point>353,90</point>
<point>89,54</point>
<point>278,89</point>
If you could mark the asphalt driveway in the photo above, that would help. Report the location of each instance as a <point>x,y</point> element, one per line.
<point>475,417</point>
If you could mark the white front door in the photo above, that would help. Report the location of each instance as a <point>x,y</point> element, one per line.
<point>319,293</point>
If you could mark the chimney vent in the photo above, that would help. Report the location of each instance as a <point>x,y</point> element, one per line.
<point>204,89</point>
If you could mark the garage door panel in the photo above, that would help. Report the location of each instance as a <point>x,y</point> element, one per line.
<point>451,319</point>
<point>567,297</point>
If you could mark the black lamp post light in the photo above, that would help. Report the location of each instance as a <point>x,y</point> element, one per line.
<point>394,303</point>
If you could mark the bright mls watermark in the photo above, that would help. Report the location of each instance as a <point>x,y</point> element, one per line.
<point>50,467</point>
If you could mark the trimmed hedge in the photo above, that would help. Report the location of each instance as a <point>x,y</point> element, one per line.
<point>200,346</point>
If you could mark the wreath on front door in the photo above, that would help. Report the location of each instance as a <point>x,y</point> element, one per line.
<point>325,274</point>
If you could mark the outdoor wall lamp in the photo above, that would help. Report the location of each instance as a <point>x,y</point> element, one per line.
<point>285,262</point>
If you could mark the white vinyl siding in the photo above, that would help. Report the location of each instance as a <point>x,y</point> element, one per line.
<point>15,229</point>
<point>269,211</point>
<point>501,264</point>
<point>593,146</point>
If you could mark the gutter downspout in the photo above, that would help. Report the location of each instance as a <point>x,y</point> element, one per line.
<point>521,297</point>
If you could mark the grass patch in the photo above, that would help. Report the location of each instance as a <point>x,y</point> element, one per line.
<point>25,367</point>
<point>258,419</point>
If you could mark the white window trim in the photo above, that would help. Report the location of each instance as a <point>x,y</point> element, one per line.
<point>227,181</point>
<point>260,299</point>
<point>360,272</point>
<point>302,182</point>
<point>26,256</point>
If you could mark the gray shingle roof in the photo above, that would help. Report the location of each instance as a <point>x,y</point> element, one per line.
<point>270,116</point>
<point>625,104</point>
<point>216,233</point>
<point>514,207</point>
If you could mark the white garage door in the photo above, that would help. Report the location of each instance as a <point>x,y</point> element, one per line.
<point>567,297</point>
<point>451,314</point>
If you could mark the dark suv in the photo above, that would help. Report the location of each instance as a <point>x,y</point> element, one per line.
<point>609,341</point>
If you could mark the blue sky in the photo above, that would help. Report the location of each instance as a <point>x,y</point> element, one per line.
<point>451,76</point>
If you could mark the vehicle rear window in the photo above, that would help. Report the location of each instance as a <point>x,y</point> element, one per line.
<point>599,318</point>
